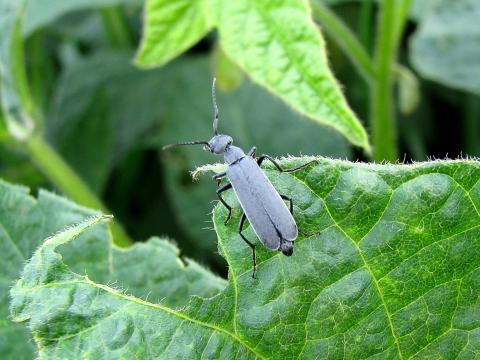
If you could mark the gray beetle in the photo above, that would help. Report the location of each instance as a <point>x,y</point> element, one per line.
<point>262,205</point>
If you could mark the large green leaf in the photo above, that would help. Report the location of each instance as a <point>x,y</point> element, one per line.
<point>394,274</point>
<point>150,269</point>
<point>281,48</point>
<point>275,43</point>
<point>446,47</point>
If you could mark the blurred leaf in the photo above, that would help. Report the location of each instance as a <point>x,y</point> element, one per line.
<point>101,108</point>
<point>446,47</point>
<point>422,8</point>
<point>251,115</point>
<point>150,269</point>
<point>171,27</point>
<point>394,274</point>
<point>41,13</point>
<point>409,90</point>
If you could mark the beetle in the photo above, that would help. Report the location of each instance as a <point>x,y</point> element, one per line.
<point>262,205</point>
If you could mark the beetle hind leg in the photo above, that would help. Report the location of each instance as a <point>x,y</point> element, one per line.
<point>254,254</point>
<point>289,199</point>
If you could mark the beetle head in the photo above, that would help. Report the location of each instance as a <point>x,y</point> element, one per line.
<point>218,144</point>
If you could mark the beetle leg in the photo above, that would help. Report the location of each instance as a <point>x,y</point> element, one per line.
<point>277,165</point>
<point>218,177</point>
<point>252,152</point>
<point>254,254</point>
<point>289,199</point>
<point>219,191</point>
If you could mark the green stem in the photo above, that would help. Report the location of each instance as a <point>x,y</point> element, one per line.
<point>345,39</point>
<point>40,73</point>
<point>390,27</point>
<point>116,27</point>
<point>65,178</point>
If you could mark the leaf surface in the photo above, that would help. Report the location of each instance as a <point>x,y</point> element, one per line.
<point>281,48</point>
<point>171,27</point>
<point>394,274</point>
<point>152,269</point>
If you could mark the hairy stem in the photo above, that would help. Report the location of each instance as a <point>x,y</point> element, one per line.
<point>65,178</point>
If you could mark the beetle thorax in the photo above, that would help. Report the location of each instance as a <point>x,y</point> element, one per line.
<point>233,153</point>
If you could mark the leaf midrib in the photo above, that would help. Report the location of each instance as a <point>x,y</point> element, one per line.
<point>367,267</point>
<point>303,73</point>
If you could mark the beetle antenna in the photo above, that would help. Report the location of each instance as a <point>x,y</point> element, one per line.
<point>185,143</point>
<point>215,108</point>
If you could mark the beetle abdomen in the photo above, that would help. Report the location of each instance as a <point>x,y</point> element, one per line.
<point>266,211</point>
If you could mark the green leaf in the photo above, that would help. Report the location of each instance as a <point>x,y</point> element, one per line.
<point>104,106</point>
<point>276,44</point>
<point>279,47</point>
<point>171,27</point>
<point>41,13</point>
<point>446,47</point>
<point>152,269</point>
<point>394,274</point>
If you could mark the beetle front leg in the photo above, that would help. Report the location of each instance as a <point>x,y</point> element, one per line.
<point>229,208</point>
<point>277,165</point>
<point>252,152</point>
<point>252,246</point>
<point>218,177</point>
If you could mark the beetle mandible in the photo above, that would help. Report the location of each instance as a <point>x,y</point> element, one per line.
<point>262,205</point>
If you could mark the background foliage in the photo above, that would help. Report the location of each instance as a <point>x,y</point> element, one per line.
<point>85,113</point>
